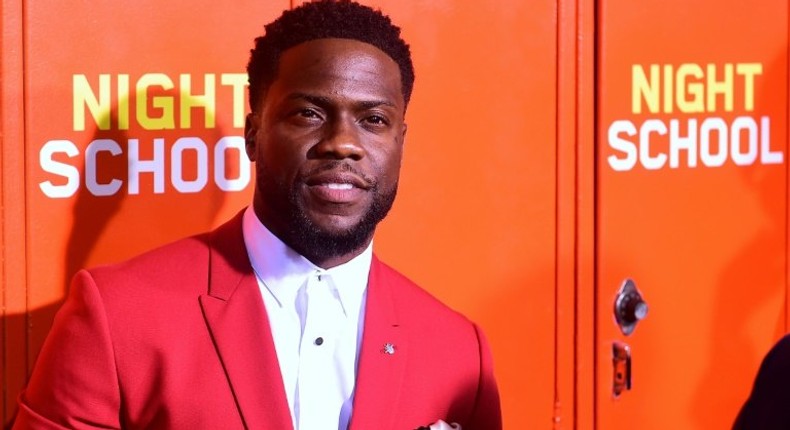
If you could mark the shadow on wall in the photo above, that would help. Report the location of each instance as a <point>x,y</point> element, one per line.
<point>140,211</point>
<point>147,210</point>
<point>752,270</point>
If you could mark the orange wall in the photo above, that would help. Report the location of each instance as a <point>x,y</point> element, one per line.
<point>475,221</point>
<point>507,210</point>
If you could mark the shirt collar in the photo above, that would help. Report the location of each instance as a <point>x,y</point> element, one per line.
<point>283,271</point>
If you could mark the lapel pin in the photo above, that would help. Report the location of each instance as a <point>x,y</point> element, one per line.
<point>388,349</point>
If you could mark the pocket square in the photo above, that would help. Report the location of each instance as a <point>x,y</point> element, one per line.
<point>441,425</point>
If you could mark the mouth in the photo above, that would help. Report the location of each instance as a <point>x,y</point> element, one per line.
<point>337,188</point>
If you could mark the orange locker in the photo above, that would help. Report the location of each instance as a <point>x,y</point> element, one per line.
<point>691,203</point>
<point>122,127</point>
<point>555,150</point>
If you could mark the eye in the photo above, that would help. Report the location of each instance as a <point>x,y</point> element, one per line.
<point>376,120</point>
<point>305,116</point>
<point>308,113</point>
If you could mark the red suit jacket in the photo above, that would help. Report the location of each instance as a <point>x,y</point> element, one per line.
<point>178,338</point>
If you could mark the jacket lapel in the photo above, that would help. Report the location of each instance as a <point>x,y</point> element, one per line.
<point>383,355</point>
<point>236,317</point>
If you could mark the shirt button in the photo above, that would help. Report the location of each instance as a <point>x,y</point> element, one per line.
<point>319,340</point>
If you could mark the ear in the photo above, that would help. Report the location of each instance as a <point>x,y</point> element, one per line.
<point>250,131</point>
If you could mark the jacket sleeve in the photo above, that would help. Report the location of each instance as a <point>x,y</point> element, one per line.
<point>74,383</point>
<point>486,414</point>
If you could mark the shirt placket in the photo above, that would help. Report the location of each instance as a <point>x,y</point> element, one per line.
<point>318,377</point>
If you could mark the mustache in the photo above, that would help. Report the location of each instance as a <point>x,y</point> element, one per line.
<point>341,166</point>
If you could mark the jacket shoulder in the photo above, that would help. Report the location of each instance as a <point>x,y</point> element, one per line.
<point>417,305</point>
<point>178,264</point>
<point>181,258</point>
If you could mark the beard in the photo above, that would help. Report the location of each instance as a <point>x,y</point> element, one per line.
<point>317,244</point>
<point>311,240</point>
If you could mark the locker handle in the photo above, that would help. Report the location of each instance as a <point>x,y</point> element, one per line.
<point>621,363</point>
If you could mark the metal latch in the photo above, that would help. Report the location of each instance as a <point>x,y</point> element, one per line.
<point>621,364</point>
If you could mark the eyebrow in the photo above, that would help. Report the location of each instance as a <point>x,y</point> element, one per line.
<point>326,101</point>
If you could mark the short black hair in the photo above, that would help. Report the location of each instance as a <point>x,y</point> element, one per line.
<point>324,19</point>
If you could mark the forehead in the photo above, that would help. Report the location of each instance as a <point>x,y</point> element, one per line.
<point>337,67</point>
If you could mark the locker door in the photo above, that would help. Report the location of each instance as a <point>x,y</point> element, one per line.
<point>475,218</point>
<point>691,204</point>
<point>100,78</point>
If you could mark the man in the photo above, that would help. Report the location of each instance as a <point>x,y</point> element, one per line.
<point>283,317</point>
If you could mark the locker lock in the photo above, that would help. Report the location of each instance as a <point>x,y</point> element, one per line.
<point>629,307</point>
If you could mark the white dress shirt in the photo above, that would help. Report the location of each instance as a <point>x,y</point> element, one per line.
<point>316,317</point>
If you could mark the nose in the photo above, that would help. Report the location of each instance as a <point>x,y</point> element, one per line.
<point>341,140</point>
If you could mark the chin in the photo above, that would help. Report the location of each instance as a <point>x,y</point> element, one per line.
<point>336,225</point>
<point>320,238</point>
<point>319,234</point>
